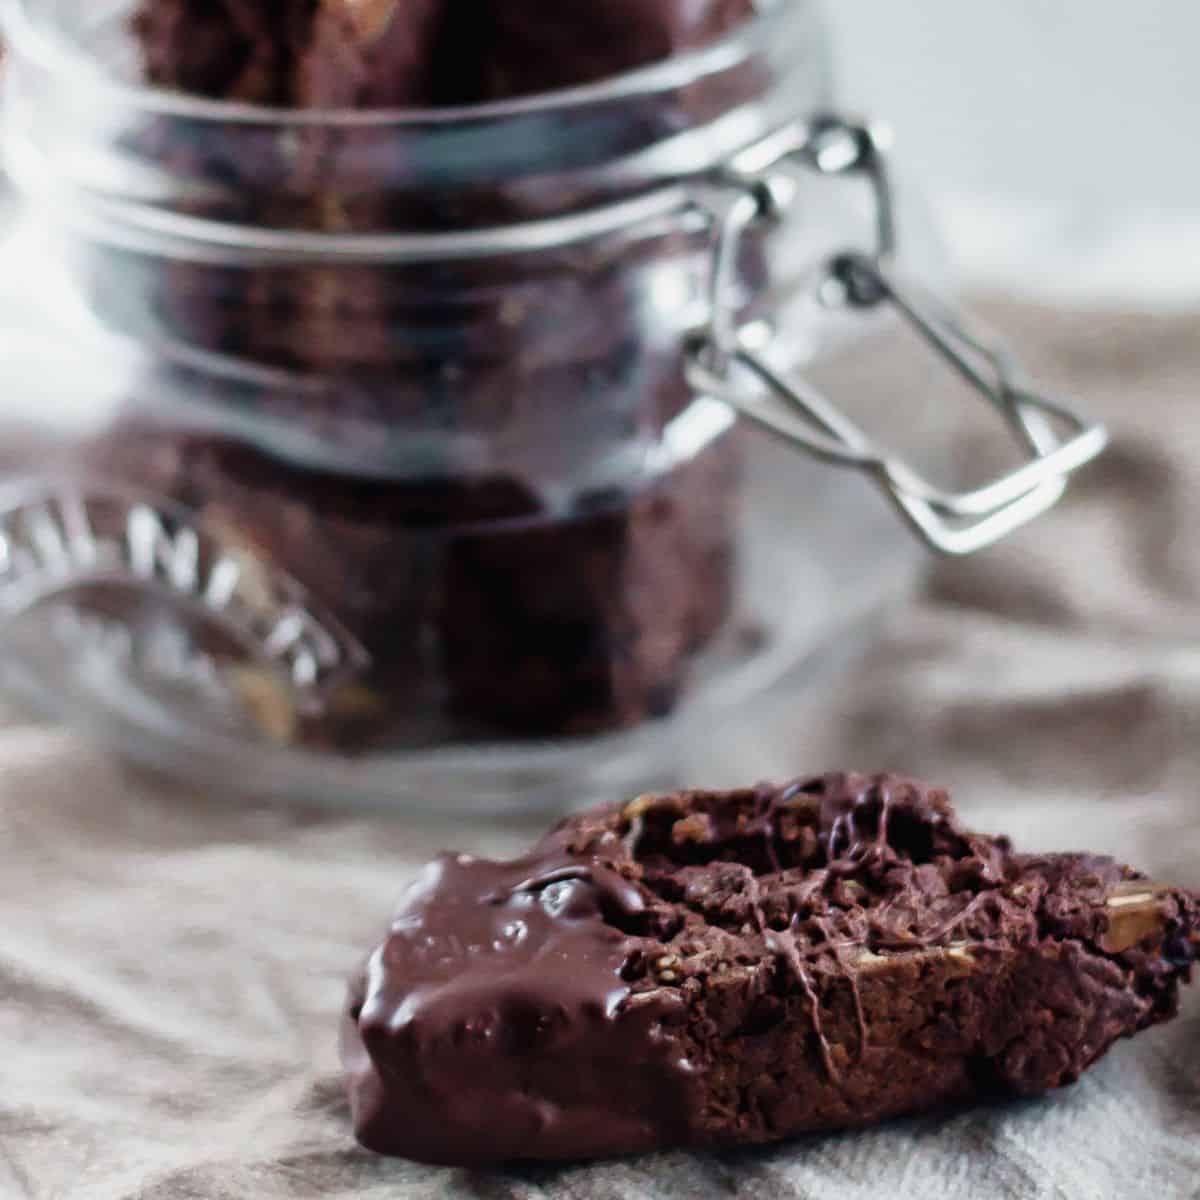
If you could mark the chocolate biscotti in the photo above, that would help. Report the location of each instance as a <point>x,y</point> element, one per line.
<point>480,614</point>
<point>532,49</point>
<point>415,53</point>
<point>715,968</point>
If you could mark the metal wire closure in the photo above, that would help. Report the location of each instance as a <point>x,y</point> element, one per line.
<point>1058,440</point>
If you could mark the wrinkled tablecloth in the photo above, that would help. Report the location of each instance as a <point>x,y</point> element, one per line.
<point>172,965</point>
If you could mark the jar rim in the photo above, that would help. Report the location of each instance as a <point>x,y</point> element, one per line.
<point>35,40</point>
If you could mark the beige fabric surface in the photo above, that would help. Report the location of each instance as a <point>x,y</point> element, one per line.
<point>171,966</point>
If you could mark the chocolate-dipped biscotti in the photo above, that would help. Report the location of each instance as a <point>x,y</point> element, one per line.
<point>719,968</point>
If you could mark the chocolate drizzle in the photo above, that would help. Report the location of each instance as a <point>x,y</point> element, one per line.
<point>738,966</point>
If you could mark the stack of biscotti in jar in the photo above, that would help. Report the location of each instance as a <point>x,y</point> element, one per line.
<point>524,596</point>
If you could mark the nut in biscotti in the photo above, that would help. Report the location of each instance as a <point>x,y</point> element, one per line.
<point>715,968</point>
<point>369,54</point>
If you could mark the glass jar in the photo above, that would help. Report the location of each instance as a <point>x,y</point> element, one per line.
<point>410,456</point>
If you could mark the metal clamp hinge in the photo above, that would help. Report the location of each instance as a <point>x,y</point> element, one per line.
<point>722,363</point>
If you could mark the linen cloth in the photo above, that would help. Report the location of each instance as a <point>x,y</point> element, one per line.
<point>172,965</point>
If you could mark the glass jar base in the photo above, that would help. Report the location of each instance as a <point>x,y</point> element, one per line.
<point>485,779</point>
<point>812,588</point>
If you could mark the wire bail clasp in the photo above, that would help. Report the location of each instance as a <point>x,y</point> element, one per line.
<point>1057,439</point>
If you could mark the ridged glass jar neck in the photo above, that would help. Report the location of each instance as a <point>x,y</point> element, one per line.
<point>79,130</point>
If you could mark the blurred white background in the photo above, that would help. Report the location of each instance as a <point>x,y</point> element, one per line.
<point>1057,140</point>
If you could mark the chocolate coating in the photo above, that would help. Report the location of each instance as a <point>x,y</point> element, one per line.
<point>519,967</point>
<point>715,968</point>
